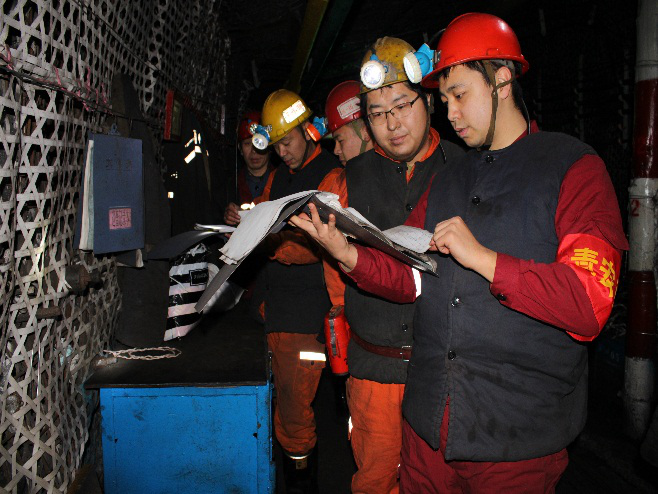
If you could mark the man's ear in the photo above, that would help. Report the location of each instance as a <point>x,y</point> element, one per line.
<point>365,135</point>
<point>302,129</point>
<point>504,74</point>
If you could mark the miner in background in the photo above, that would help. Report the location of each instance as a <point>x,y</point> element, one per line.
<point>296,299</point>
<point>251,178</point>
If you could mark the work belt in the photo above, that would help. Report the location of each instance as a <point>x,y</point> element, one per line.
<point>386,351</point>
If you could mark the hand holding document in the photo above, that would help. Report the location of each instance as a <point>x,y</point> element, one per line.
<point>257,224</point>
<point>405,243</point>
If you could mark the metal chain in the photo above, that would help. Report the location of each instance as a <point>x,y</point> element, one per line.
<point>132,353</point>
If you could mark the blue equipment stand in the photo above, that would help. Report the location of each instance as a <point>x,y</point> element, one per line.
<point>200,422</point>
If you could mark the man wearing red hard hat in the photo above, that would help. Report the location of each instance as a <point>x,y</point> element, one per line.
<point>527,236</point>
<point>252,178</point>
<point>345,121</point>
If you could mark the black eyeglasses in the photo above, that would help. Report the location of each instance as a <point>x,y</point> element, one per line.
<point>398,111</point>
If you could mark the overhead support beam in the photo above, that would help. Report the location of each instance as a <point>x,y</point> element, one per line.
<point>313,16</point>
<point>334,20</point>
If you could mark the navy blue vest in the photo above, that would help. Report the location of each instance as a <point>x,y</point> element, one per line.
<point>296,299</point>
<point>377,187</point>
<point>517,386</point>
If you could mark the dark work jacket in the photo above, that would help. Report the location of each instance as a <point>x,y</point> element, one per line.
<point>296,298</point>
<point>517,386</point>
<point>249,188</point>
<point>377,187</point>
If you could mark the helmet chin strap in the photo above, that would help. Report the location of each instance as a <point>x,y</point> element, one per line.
<point>306,143</point>
<point>491,75</point>
<point>357,131</point>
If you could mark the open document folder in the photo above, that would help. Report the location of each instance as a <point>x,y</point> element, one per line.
<point>405,243</point>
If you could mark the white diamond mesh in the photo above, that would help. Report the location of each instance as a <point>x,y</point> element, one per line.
<point>57,61</point>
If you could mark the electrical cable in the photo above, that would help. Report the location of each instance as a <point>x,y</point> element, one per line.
<point>92,105</point>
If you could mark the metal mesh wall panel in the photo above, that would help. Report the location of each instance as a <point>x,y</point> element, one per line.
<point>57,61</point>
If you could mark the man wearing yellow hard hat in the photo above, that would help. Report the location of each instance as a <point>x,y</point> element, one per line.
<point>385,184</point>
<point>296,299</point>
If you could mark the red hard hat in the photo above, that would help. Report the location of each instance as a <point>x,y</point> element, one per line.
<point>472,37</point>
<point>342,105</point>
<point>250,117</point>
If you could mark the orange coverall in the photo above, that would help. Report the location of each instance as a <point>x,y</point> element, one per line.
<point>296,380</point>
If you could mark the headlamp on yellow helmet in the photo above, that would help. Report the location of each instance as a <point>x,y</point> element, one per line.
<point>392,60</point>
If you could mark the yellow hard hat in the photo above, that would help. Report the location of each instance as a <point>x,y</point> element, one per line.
<point>283,111</point>
<point>384,63</point>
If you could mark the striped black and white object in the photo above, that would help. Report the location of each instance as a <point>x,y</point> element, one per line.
<point>188,278</point>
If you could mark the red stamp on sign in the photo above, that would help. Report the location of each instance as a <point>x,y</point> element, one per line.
<point>120,218</point>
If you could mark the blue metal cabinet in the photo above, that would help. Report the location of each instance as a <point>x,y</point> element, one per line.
<point>199,423</point>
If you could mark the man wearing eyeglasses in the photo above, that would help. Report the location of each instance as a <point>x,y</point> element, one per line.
<point>497,385</point>
<point>384,184</point>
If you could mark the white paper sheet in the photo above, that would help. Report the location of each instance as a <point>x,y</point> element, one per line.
<point>409,237</point>
<point>255,226</point>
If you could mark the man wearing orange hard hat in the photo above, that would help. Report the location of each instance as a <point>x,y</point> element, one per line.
<point>527,237</point>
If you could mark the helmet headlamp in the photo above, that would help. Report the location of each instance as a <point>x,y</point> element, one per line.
<point>261,136</point>
<point>317,128</point>
<point>373,73</point>
<point>417,65</point>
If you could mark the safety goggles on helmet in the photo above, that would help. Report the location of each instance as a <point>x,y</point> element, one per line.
<point>261,135</point>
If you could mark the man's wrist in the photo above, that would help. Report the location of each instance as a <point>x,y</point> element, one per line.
<point>487,266</point>
<point>349,260</point>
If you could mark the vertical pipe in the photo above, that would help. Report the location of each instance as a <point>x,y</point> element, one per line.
<point>641,334</point>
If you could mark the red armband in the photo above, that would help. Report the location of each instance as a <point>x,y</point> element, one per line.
<point>597,265</point>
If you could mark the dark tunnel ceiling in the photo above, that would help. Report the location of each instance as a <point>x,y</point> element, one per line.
<point>267,31</point>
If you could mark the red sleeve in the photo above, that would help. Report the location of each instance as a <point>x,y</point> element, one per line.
<point>384,276</point>
<point>576,292</point>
